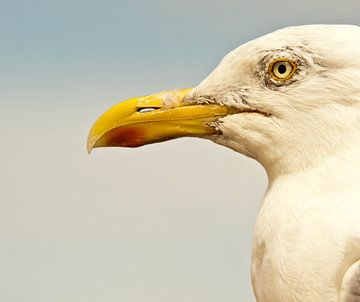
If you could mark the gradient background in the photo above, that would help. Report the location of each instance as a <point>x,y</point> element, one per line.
<point>166,222</point>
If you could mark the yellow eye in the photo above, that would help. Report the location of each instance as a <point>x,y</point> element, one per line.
<point>282,69</point>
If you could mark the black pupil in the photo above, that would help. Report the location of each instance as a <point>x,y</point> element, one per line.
<point>282,69</point>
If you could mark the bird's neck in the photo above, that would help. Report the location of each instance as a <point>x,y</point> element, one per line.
<point>335,148</point>
<point>327,171</point>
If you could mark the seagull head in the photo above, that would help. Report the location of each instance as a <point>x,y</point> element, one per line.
<point>286,99</point>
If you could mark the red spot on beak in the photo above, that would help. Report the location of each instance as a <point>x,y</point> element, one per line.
<point>123,137</point>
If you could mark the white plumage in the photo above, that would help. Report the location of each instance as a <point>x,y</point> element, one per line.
<point>290,100</point>
<point>306,133</point>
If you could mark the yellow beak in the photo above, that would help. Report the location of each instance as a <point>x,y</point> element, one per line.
<point>155,118</point>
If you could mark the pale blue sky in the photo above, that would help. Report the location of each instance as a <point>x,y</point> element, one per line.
<point>167,222</point>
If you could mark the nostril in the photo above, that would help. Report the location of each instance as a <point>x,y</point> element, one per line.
<point>147,109</point>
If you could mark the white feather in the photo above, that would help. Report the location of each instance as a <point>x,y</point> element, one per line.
<point>307,236</point>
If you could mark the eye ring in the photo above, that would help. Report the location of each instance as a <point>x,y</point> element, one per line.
<point>282,69</point>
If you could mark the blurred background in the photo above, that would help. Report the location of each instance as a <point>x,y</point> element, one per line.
<point>166,222</point>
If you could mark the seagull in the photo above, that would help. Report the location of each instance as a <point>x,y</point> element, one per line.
<point>291,101</point>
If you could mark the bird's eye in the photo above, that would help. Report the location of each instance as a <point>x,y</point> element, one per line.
<point>282,69</point>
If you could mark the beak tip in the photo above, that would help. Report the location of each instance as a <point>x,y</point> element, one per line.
<point>90,144</point>
<point>89,149</point>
